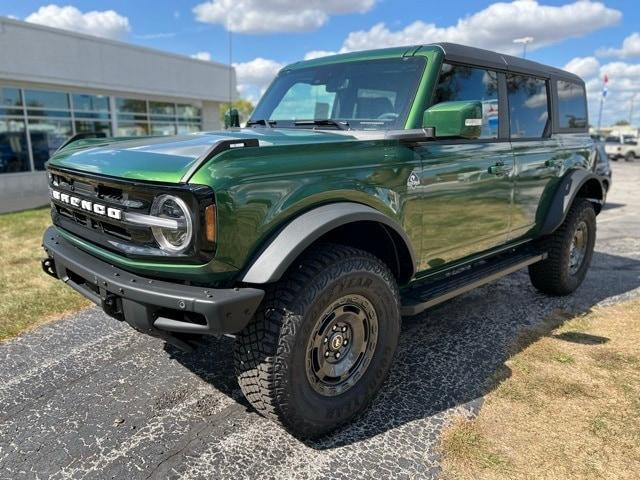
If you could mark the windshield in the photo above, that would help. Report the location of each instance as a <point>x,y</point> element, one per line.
<point>365,95</point>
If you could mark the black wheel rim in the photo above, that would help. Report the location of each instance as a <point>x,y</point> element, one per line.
<point>341,345</point>
<point>578,248</point>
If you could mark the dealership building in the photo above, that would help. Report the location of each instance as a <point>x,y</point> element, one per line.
<point>55,84</point>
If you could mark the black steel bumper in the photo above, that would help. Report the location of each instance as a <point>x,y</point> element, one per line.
<point>155,307</point>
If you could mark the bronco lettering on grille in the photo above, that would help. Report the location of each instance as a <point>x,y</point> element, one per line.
<point>87,205</point>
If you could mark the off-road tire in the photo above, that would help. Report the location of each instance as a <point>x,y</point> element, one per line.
<point>270,354</point>
<point>553,275</point>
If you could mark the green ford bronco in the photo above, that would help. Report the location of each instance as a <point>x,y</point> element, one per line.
<point>365,187</point>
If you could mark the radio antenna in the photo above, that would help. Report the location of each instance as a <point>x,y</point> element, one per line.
<point>230,70</point>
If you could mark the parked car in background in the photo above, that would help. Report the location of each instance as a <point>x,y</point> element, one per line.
<point>622,146</point>
<point>602,167</point>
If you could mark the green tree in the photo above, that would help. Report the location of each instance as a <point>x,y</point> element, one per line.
<point>244,107</point>
<point>621,123</point>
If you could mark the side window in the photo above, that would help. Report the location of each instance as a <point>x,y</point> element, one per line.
<point>572,106</point>
<point>459,82</point>
<point>528,106</point>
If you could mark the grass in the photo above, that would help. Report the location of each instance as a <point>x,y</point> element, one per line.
<point>566,405</point>
<point>28,297</point>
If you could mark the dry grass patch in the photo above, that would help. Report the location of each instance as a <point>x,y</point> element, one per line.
<point>28,297</point>
<point>567,405</point>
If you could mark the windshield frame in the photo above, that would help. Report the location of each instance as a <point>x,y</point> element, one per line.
<point>354,124</point>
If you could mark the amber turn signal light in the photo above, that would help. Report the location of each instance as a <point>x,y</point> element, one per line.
<point>210,223</point>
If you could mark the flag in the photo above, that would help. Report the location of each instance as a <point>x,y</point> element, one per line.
<point>605,90</point>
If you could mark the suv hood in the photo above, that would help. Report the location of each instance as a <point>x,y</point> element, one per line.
<point>168,159</point>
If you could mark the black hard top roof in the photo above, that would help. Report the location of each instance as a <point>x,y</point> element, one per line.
<point>478,56</point>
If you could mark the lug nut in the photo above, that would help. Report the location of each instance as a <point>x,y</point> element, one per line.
<point>326,354</point>
<point>345,342</point>
<point>344,329</point>
<point>337,354</point>
<point>326,340</point>
<point>335,327</point>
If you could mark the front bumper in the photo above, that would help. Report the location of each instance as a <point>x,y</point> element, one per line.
<point>160,308</point>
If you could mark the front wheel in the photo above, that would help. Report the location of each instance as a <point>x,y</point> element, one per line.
<point>569,251</point>
<point>322,343</point>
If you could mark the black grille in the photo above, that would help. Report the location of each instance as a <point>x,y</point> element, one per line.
<point>120,236</point>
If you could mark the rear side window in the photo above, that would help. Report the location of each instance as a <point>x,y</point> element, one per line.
<point>459,82</point>
<point>572,105</point>
<point>528,106</point>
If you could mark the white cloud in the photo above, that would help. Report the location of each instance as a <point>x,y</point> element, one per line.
<point>496,26</point>
<point>270,16</point>
<point>318,54</point>
<point>624,83</point>
<point>108,23</point>
<point>630,48</point>
<point>255,76</point>
<point>584,67</point>
<point>206,56</point>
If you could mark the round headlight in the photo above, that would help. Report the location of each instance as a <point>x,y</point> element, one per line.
<point>170,239</point>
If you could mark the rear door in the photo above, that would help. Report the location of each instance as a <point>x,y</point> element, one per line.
<point>538,160</point>
<point>465,185</point>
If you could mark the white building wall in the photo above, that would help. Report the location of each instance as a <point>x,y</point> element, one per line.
<point>35,53</point>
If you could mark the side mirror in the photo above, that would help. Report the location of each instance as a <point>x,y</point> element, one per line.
<point>455,119</point>
<point>231,118</point>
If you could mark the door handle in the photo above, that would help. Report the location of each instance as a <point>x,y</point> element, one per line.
<point>499,169</point>
<point>552,163</point>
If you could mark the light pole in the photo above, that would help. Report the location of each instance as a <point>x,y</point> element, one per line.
<point>633,99</point>
<point>524,41</point>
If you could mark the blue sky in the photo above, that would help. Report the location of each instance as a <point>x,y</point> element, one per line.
<point>586,36</point>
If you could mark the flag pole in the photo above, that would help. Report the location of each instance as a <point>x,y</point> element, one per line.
<point>600,113</point>
<point>605,80</point>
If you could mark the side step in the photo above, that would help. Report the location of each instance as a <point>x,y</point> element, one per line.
<point>428,293</point>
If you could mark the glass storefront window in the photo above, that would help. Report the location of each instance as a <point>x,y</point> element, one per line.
<point>131,105</point>
<point>10,97</point>
<point>44,99</point>
<point>162,108</point>
<point>52,117</point>
<point>90,103</point>
<point>85,126</point>
<point>188,111</point>
<point>49,113</point>
<point>46,136</point>
<point>138,129</point>
<point>163,129</point>
<point>14,152</point>
<point>184,128</point>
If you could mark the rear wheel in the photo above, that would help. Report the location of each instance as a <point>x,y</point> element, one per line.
<point>630,157</point>
<point>323,341</point>
<point>569,250</point>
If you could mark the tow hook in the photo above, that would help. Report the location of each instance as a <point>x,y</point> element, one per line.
<point>112,306</point>
<point>49,267</point>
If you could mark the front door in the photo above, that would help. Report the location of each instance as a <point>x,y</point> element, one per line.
<point>465,186</point>
<point>465,194</point>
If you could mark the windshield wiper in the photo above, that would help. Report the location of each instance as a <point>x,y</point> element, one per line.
<point>262,121</point>
<point>324,122</point>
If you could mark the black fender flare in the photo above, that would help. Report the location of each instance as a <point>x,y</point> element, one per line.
<point>285,247</point>
<point>564,196</point>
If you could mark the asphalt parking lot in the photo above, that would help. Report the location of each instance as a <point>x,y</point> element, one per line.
<point>87,397</point>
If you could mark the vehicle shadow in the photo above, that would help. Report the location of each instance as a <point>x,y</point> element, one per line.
<point>613,206</point>
<point>453,354</point>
